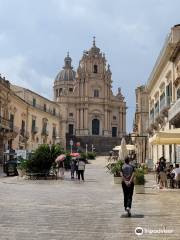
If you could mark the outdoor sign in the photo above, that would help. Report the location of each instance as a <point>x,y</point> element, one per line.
<point>71,142</point>
<point>78,144</point>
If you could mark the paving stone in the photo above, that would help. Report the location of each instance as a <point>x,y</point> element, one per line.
<point>90,210</point>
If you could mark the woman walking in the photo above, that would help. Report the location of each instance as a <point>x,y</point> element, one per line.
<point>127,184</point>
<point>81,168</point>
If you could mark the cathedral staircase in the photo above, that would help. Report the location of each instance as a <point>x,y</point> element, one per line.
<point>101,144</point>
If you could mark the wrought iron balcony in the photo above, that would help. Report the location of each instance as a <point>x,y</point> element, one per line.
<point>156,112</point>
<point>174,111</point>
<point>54,134</point>
<point>24,133</point>
<point>45,132</point>
<point>4,123</point>
<point>34,130</point>
<point>165,105</point>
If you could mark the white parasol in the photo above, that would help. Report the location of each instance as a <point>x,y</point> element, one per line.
<point>123,152</point>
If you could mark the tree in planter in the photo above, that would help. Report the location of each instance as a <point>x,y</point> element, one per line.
<point>139,176</point>
<point>115,168</point>
<point>43,158</point>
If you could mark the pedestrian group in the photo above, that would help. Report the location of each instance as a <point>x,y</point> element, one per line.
<point>77,165</point>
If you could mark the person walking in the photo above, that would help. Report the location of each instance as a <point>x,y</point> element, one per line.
<point>61,169</point>
<point>162,173</point>
<point>127,184</point>
<point>73,167</point>
<point>81,168</point>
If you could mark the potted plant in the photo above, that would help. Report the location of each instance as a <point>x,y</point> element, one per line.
<point>139,181</point>
<point>115,169</point>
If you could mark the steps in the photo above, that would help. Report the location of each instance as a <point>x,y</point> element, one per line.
<point>101,144</point>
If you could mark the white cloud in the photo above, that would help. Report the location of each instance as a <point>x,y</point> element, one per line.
<point>18,71</point>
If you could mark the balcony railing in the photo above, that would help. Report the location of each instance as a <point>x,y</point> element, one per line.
<point>165,103</point>
<point>54,135</point>
<point>151,119</point>
<point>34,130</point>
<point>174,110</point>
<point>24,133</point>
<point>156,112</point>
<point>45,132</point>
<point>4,123</point>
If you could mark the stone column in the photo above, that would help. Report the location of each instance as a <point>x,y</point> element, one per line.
<point>86,118</point>
<point>77,121</point>
<point>124,120</point>
<point>105,120</point>
<point>110,121</point>
<point>85,89</point>
<point>120,122</point>
<point>81,119</point>
<point>82,89</point>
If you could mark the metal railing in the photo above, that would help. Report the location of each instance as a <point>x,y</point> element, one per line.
<point>45,132</point>
<point>24,133</point>
<point>34,130</point>
<point>4,123</point>
<point>174,110</point>
<point>156,112</point>
<point>165,102</point>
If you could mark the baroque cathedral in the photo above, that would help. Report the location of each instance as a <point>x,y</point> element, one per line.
<point>87,104</point>
<point>84,109</point>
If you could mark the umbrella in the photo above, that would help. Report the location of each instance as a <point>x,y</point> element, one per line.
<point>60,158</point>
<point>123,153</point>
<point>75,154</point>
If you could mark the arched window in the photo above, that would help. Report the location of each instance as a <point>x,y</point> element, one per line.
<point>95,68</point>
<point>96,93</point>
<point>60,91</point>
<point>178,93</point>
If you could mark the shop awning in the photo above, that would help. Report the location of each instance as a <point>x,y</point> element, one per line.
<point>171,136</point>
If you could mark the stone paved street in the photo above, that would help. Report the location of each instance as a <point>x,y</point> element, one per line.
<point>69,210</point>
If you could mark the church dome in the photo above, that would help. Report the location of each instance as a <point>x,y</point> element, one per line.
<point>67,74</point>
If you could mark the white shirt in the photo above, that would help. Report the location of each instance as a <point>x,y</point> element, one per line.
<point>176,171</point>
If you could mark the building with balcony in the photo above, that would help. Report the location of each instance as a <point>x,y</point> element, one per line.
<point>36,120</point>
<point>163,90</point>
<point>22,122</point>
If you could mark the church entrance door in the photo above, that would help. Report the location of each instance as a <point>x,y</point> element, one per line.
<point>71,129</point>
<point>95,126</point>
<point>114,131</point>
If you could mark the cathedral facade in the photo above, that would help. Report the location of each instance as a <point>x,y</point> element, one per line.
<point>88,106</point>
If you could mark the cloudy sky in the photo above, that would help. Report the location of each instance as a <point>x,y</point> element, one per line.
<point>35,36</point>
